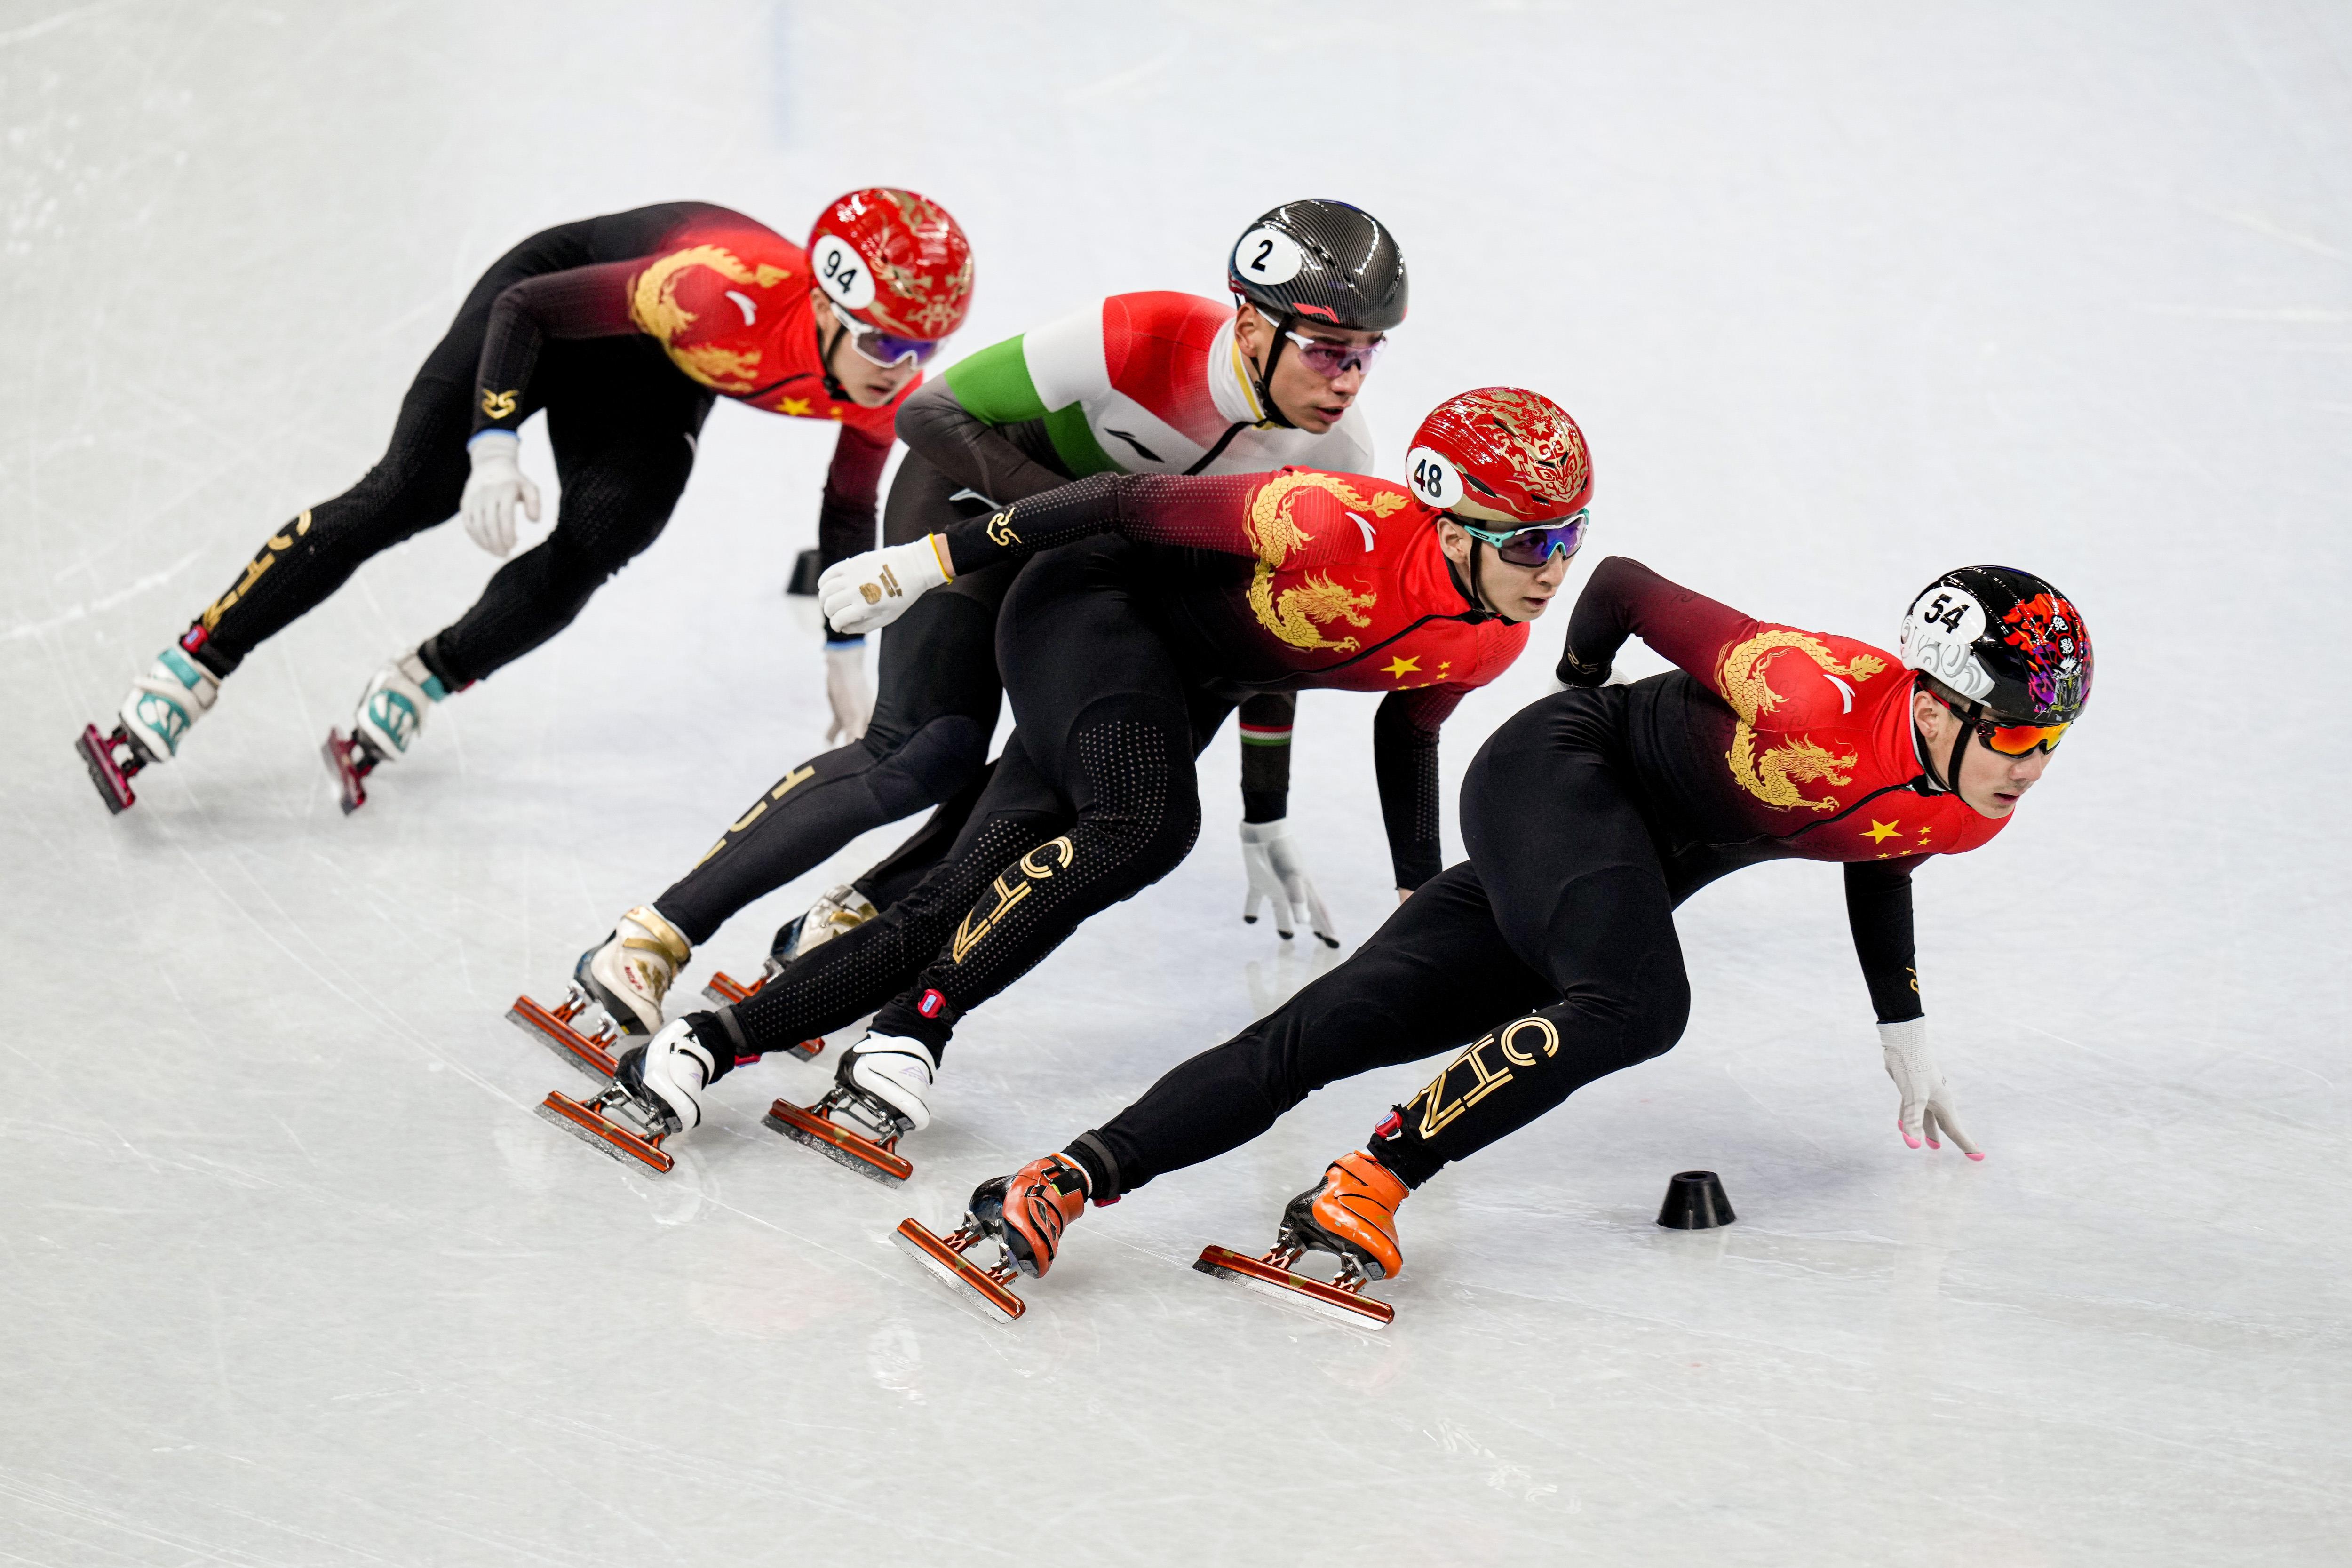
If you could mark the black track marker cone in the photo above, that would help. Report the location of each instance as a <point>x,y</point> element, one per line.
<point>1696,1201</point>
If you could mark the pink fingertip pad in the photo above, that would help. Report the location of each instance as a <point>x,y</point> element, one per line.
<point>1975,1156</point>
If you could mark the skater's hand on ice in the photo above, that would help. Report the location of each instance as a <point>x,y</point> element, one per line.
<point>492,490</point>
<point>1927,1111</point>
<point>866,592</point>
<point>850,691</point>
<point>1270,857</point>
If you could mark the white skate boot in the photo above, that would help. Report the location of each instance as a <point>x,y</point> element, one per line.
<point>632,970</point>
<point>389,718</point>
<point>162,704</point>
<point>615,994</point>
<point>880,1093</point>
<point>652,1098</point>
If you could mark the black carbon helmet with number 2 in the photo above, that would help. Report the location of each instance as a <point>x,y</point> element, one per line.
<point>1324,261</point>
<point>2005,639</point>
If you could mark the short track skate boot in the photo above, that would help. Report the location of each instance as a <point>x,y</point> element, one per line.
<point>1350,1213</point>
<point>1025,1212</point>
<point>842,909</point>
<point>161,706</point>
<point>650,1099</point>
<point>879,1095</point>
<point>389,718</point>
<point>616,993</point>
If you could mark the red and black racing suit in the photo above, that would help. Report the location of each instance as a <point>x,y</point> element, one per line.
<point>1589,817</point>
<point>1122,652</point>
<point>625,328</point>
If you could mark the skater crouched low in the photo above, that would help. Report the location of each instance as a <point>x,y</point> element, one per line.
<point>1589,816</point>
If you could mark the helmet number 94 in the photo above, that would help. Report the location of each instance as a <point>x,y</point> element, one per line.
<point>841,272</point>
<point>1434,480</point>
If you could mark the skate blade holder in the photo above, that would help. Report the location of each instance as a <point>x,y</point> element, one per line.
<point>874,1157</point>
<point>108,773</point>
<point>1272,1275</point>
<point>553,1028</point>
<point>986,1292</point>
<point>348,759</point>
<point>591,1121</point>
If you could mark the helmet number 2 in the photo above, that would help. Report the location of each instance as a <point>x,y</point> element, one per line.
<point>1267,255</point>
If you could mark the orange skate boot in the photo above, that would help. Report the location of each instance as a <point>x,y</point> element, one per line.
<point>1025,1211</point>
<point>1351,1214</point>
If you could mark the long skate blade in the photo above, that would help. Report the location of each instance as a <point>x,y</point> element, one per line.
<point>98,755</point>
<point>839,1144</point>
<point>973,1287</point>
<point>726,990</point>
<point>543,1026</point>
<point>1295,1289</point>
<point>350,777</point>
<point>601,1134</point>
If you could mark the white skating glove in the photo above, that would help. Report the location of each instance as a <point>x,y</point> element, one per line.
<point>1926,1110</point>
<point>1270,857</point>
<point>866,592</point>
<point>492,490</point>
<point>848,690</point>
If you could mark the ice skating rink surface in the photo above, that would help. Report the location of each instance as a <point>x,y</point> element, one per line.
<point>1843,296</point>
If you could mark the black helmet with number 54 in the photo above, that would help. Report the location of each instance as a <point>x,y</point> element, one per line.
<point>2004,639</point>
<point>1324,261</point>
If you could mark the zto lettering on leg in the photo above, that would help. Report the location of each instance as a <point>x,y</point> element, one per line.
<point>1440,1106</point>
<point>254,569</point>
<point>797,776</point>
<point>969,935</point>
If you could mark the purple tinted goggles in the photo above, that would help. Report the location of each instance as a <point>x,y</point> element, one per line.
<point>877,347</point>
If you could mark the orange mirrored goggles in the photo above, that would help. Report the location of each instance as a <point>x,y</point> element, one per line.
<point>2008,739</point>
<point>2019,740</point>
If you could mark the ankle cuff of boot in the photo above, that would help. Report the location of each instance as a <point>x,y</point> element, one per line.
<point>1092,1155</point>
<point>929,1017</point>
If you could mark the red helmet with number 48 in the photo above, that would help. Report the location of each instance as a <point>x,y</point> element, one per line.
<point>1500,454</point>
<point>895,261</point>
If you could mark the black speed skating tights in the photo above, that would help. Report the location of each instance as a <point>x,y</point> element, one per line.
<point>1550,955</point>
<point>934,712</point>
<point>623,420</point>
<point>1093,800</point>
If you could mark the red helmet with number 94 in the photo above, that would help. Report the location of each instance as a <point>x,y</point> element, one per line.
<point>1503,457</point>
<point>896,262</point>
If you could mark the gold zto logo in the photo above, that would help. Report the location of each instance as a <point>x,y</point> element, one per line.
<point>271,550</point>
<point>976,925</point>
<point>1298,614</point>
<point>1439,1108</point>
<point>1000,529</point>
<point>889,585</point>
<point>1774,777</point>
<point>498,404</point>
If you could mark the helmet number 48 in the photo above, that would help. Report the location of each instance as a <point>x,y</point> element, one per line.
<point>1434,480</point>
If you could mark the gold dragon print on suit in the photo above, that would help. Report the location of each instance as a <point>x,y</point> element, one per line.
<point>1297,615</point>
<point>654,307</point>
<point>1773,778</point>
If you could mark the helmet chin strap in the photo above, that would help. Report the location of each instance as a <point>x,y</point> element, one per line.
<point>1273,414</point>
<point>824,352</point>
<point>1961,723</point>
<point>1478,588</point>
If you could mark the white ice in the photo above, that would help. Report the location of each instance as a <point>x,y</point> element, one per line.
<point>1845,294</point>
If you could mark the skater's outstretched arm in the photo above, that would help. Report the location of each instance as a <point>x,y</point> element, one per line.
<point>1878,909</point>
<point>853,488</point>
<point>969,448</point>
<point>1624,598</point>
<point>1404,762</point>
<point>578,302</point>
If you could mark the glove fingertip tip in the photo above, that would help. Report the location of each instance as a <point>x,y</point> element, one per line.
<point>1976,1155</point>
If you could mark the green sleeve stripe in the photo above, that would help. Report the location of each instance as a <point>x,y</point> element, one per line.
<point>993,384</point>
<point>1074,443</point>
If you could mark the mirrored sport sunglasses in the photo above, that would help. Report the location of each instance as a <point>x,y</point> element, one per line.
<point>2008,739</point>
<point>877,347</point>
<point>1536,545</point>
<point>1333,360</point>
